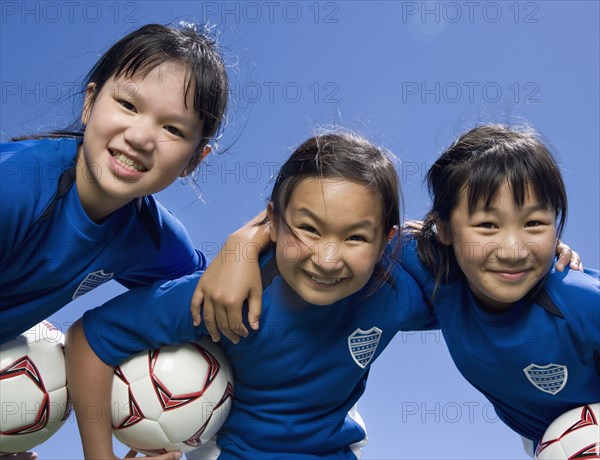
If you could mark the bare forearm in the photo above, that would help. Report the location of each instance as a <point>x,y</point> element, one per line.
<point>253,237</point>
<point>232,278</point>
<point>90,383</point>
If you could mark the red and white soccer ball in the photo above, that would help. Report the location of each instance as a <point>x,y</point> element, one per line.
<point>573,435</point>
<point>173,398</point>
<point>33,388</point>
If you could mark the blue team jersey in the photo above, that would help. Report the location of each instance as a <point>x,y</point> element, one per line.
<point>534,362</point>
<point>297,379</point>
<point>51,252</point>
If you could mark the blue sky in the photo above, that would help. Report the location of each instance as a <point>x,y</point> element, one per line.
<point>409,75</point>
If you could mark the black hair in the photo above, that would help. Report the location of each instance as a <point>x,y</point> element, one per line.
<point>348,156</point>
<point>148,47</point>
<point>479,163</point>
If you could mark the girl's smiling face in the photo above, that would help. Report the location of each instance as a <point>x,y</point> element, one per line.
<point>140,136</point>
<point>329,238</point>
<point>503,250</point>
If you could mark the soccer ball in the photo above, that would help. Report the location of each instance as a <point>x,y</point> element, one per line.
<point>33,388</point>
<point>573,435</point>
<point>173,398</point>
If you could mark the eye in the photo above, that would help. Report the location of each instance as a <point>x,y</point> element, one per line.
<point>360,238</point>
<point>487,225</point>
<point>174,131</point>
<point>308,229</point>
<point>534,223</point>
<point>127,105</point>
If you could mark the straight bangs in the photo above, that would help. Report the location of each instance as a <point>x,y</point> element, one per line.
<point>492,169</point>
<point>196,50</point>
<point>200,78</point>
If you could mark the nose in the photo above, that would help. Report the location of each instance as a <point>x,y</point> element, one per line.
<point>327,255</point>
<point>514,247</point>
<point>140,135</point>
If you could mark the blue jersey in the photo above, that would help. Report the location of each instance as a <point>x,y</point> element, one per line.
<point>534,362</point>
<point>51,252</point>
<point>297,378</point>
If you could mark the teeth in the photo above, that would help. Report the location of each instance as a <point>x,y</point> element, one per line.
<point>128,162</point>
<point>325,281</point>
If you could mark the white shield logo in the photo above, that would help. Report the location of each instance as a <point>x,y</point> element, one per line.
<point>362,345</point>
<point>550,378</point>
<point>92,281</point>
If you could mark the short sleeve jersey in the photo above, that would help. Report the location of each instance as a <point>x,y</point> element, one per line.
<point>534,362</point>
<point>51,252</point>
<point>297,378</point>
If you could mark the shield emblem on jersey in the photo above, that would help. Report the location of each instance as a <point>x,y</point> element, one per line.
<point>550,378</point>
<point>362,345</point>
<point>92,281</point>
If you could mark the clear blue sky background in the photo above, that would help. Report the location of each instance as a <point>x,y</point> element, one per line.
<point>410,75</point>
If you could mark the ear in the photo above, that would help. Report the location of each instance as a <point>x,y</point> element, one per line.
<point>90,92</point>
<point>272,222</point>
<point>443,232</point>
<point>195,161</point>
<point>392,234</point>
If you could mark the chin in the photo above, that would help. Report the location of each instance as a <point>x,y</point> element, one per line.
<point>320,301</point>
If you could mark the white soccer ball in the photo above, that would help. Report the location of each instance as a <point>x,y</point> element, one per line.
<point>173,398</point>
<point>573,435</point>
<point>33,388</point>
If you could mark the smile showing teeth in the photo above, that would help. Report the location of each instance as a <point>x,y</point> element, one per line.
<point>128,163</point>
<point>325,280</point>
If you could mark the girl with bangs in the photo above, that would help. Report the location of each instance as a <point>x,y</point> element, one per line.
<point>333,300</point>
<point>77,205</point>
<point>523,333</point>
<point>520,328</point>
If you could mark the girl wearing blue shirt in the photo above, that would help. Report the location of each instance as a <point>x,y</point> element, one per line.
<point>77,207</point>
<point>333,300</point>
<point>524,334</point>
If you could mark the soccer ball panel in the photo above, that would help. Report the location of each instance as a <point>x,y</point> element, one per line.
<point>575,434</point>
<point>21,402</point>
<point>33,392</point>
<point>180,379</point>
<point>145,395</point>
<point>120,401</point>
<point>45,357</point>
<point>186,388</point>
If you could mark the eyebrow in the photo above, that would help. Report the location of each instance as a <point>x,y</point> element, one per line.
<point>366,224</point>
<point>537,207</point>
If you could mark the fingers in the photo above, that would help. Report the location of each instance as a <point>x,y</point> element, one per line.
<point>210,321</point>
<point>235,323</point>
<point>196,305</point>
<point>576,261</point>
<point>564,254</point>
<point>227,324</point>
<point>19,456</point>
<point>168,456</point>
<point>255,308</point>
<point>223,315</point>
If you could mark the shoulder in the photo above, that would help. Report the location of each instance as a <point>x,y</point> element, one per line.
<point>35,166</point>
<point>168,233</point>
<point>408,299</point>
<point>59,151</point>
<point>412,263</point>
<point>30,172</point>
<point>165,247</point>
<point>575,296</point>
<point>571,286</point>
